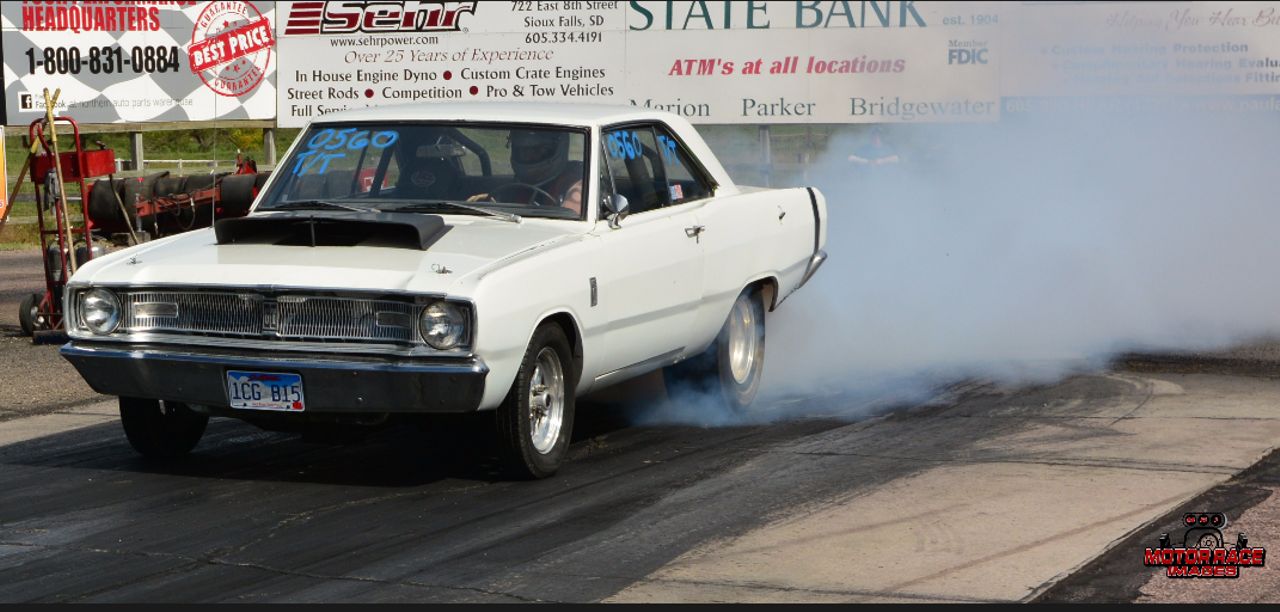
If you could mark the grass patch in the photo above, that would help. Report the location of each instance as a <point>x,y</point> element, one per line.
<point>19,236</point>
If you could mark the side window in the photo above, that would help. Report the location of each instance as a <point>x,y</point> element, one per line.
<point>635,163</point>
<point>683,182</point>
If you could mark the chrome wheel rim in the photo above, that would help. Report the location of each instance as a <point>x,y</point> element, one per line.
<point>546,401</point>
<point>743,340</point>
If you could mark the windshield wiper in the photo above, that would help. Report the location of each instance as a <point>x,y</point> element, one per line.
<point>428,205</point>
<point>317,205</point>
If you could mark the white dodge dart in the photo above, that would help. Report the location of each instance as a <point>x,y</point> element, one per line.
<point>451,258</point>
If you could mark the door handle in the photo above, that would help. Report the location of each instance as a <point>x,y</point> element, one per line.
<point>694,231</point>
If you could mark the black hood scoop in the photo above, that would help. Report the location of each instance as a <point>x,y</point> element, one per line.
<point>333,228</point>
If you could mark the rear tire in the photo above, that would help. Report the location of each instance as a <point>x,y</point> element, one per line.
<point>103,208</point>
<point>731,368</point>
<point>170,185</point>
<point>197,182</point>
<point>29,313</point>
<point>106,211</point>
<point>236,194</point>
<point>535,421</point>
<point>161,430</point>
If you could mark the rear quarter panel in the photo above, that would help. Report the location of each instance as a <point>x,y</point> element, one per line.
<point>753,235</point>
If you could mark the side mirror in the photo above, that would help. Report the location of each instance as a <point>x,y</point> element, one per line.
<point>616,208</point>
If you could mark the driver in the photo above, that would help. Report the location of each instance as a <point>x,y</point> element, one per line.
<point>541,158</point>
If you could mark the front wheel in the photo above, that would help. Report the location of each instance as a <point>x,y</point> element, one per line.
<point>535,421</point>
<point>161,430</point>
<point>730,370</point>
<point>29,313</point>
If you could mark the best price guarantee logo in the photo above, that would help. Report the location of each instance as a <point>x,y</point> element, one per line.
<point>231,47</point>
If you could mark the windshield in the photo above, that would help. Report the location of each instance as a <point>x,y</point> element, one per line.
<point>535,171</point>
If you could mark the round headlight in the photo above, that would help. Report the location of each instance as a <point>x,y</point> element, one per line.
<point>442,325</point>
<point>100,311</point>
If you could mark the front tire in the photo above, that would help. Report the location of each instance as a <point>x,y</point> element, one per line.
<point>161,430</point>
<point>535,421</point>
<point>730,370</point>
<point>29,313</point>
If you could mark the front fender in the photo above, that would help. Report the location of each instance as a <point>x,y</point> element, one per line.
<point>513,300</point>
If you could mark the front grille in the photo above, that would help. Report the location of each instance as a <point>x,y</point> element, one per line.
<point>225,314</point>
<point>327,318</point>
<point>288,317</point>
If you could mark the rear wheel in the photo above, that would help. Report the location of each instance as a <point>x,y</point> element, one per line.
<point>535,421</point>
<point>29,313</point>
<point>103,207</point>
<point>236,193</point>
<point>196,182</point>
<point>161,430</point>
<point>731,368</point>
<point>170,185</point>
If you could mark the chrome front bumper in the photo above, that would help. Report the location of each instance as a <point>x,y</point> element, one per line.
<point>330,385</point>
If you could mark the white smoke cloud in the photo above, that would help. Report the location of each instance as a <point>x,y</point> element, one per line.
<point>1129,208</point>
<point>1039,246</point>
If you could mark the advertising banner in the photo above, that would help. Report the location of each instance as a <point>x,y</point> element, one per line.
<point>1219,55</point>
<point>713,62</point>
<point>814,62</point>
<point>337,55</point>
<point>756,61</point>
<point>140,61</point>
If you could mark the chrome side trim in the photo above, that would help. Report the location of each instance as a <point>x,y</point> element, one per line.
<point>638,368</point>
<point>815,262</point>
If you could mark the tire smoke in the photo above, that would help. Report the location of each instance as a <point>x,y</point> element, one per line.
<point>1043,245</point>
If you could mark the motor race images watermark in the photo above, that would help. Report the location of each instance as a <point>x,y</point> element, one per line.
<point>1203,553</point>
<point>231,45</point>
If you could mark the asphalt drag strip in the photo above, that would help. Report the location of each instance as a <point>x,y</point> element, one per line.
<point>995,495</point>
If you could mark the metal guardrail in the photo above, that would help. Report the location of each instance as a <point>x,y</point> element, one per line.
<point>206,164</point>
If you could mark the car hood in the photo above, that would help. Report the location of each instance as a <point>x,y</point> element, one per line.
<point>469,248</point>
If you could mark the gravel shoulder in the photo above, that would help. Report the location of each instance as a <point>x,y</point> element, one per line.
<point>34,379</point>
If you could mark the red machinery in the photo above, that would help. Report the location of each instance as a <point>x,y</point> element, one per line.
<point>63,246</point>
<point>130,210</point>
<point>160,204</point>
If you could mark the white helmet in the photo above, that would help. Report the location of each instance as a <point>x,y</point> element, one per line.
<point>538,156</point>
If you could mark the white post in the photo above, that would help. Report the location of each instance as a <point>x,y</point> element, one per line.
<point>135,141</point>
<point>269,144</point>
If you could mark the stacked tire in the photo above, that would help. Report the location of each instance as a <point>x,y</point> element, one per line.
<point>236,193</point>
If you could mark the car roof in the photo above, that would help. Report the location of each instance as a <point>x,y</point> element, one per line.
<point>585,115</point>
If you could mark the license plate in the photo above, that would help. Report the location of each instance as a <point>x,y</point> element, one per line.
<point>265,391</point>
